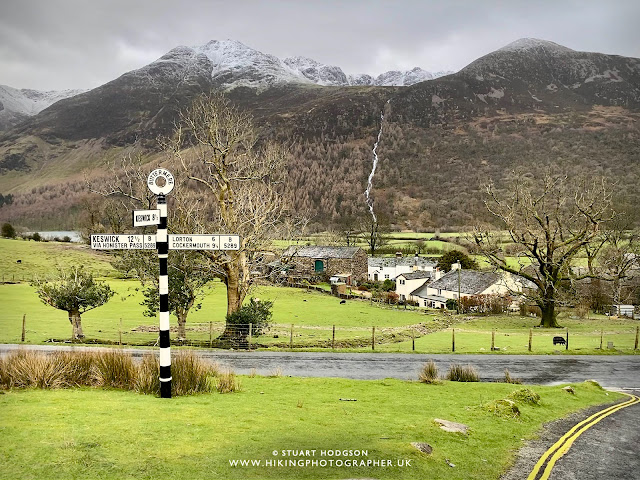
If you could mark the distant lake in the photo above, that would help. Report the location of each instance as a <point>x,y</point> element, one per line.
<point>50,235</point>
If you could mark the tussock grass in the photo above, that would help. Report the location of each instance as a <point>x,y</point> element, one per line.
<point>110,369</point>
<point>509,379</point>
<point>191,374</point>
<point>227,382</point>
<point>460,373</point>
<point>25,369</point>
<point>148,381</point>
<point>80,368</point>
<point>115,369</point>
<point>429,373</point>
<point>504,408</point>
<point>525,395</point>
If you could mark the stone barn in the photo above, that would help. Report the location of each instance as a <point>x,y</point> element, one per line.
<point>314,261</point>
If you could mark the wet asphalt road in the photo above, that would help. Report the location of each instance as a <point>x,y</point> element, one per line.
<point>619,371</point>
<point>608,450</point>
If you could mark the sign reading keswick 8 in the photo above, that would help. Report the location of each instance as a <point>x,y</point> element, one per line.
<point>161,182</point>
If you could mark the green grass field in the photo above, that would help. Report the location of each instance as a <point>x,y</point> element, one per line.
<point>42,258</point>
<point>108,434</point>
<point>313,315</point>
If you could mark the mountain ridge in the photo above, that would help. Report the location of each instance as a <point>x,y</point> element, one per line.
<point>529,105</point>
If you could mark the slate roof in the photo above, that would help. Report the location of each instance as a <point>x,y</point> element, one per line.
<point>416,275</point>
<point>382,262</point>
<point>321,252</point>
<point>472,282</point>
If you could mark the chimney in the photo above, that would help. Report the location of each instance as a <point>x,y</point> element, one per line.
<point>437,273</point>
<point>456,266</point>
<point>415,262</point>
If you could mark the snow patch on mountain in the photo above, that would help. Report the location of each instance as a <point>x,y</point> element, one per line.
<point>316,72</point>
<point>30,102</point>
<point>18,104</point>
<point>528,44</point>
<point>234,64</point>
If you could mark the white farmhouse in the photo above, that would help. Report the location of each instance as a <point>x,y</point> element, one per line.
<point>468,282</point>
<point>388,268</point>
<point>406,283</point>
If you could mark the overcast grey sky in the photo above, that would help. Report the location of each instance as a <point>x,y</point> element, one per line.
<point>58,44</point>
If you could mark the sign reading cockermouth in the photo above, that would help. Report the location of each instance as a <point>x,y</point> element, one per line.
<point>204,242</point>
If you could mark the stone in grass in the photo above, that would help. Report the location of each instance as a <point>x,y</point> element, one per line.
<point>423,447</point>
<point>569,389</point>
<point>452,427</point>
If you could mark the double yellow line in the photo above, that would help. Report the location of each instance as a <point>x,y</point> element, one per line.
<point>551,456</point>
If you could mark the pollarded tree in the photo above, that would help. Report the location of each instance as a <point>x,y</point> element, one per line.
<point>552,219</point>
<point>75,291</point>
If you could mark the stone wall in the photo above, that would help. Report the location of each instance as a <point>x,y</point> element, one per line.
<point>356,266</point>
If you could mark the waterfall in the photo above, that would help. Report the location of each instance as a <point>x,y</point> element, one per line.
<point>373,170</point>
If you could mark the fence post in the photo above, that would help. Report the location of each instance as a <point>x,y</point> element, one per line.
<point>120,333</point>
<point>373,338</point>
<point>413,339</point>
<point>24,321</point>
<point>291,338</point>
<point>601,335</point>
<point>567,345</point>
<point>493,339</point>
<point>635,347</point>
<point>333,340</point>
<point>530,337</point>
<point>210,334</point>
<point>453,339</point>
<point>250,334</point>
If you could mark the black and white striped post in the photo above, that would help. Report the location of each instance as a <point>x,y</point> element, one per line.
<point>161,182</point>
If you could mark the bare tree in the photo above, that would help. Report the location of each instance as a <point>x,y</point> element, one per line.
<point>189,273</point>
<point>240,188</point>
<point>552,219</point>
<point>618,258</point>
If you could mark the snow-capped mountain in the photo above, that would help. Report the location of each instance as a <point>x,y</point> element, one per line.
<point>317,72</point>
<point>18,104</point>
<point>233,64</point>
<point>396,78</point>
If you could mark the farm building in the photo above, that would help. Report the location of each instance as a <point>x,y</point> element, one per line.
<point>349,263</point>
<point>406,283</point>
<point>388,268</point>
<point>471,282</point>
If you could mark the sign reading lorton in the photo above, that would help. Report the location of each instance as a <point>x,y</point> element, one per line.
<point>204,242</point>
<point>125,242</point>
<point>142,218</point>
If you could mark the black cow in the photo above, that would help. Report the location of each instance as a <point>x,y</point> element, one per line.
<point>559,340</point>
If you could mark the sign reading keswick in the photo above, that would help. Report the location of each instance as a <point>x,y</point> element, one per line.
<point>161,183</point>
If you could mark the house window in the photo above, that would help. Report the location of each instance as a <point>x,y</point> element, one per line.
<point>402,281</point>
<point>386,277</point>
<point>440,292</point>
<point>319,266</point>
<point>426,304</point>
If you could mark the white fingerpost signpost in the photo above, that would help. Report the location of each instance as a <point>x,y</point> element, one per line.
<point>161,182</point>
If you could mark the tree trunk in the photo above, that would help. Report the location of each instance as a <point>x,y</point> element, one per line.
<point>76,324</point>
<point>548,308</point>
<point>182,325</point>
<point>234,296</point>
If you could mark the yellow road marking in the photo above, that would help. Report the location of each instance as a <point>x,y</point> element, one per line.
<point>562,446</point>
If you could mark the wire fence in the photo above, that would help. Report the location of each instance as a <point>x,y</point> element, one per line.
<point>433,336</point>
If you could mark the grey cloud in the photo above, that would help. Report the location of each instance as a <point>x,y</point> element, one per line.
<point>80,44</point>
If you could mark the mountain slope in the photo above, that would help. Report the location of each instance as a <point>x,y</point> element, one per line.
<point>531,105</point>
<point>16,105</point>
